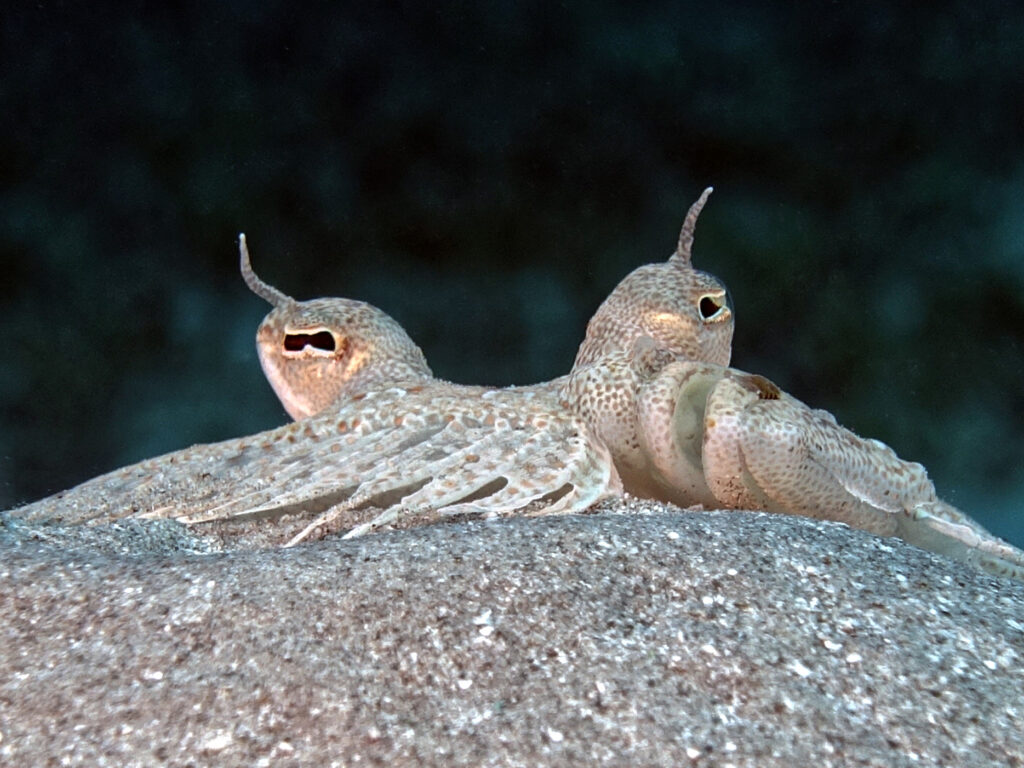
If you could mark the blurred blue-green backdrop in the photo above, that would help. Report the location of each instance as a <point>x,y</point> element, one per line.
<point>486,172</point>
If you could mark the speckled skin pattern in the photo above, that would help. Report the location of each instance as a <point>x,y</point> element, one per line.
<point>650,408</point>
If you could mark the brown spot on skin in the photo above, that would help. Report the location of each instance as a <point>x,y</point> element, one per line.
<point>449,418</point>
<point>343,426</point>
<point>710,423</point>
<point>470,458</point>
<point>356,423</point>
<point>489,420</point>
<point>399,420</point>
<point>764,388</point>
<point>414,389</point>
<point>357,398</point>
<point>291,438</point>
<point>335,448</point>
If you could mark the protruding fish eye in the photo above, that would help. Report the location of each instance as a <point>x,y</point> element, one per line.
<point>318,342</point>
<point>713,306</point>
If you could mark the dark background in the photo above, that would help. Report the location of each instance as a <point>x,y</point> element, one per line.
<point>486,173</point>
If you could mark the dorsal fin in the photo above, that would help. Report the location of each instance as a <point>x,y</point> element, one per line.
<point>266,292</point>
<point>682,255</point>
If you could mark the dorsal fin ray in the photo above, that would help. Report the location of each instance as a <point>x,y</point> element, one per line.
<point>681,257</point>
<point>265,291</point>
